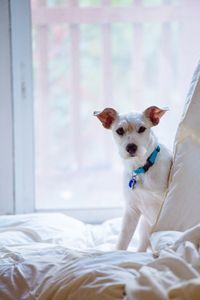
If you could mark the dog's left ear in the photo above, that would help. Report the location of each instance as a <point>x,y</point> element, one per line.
<point>154,114</point>
<point>107,116</point>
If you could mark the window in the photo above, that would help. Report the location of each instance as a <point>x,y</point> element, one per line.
<point>87,55</point>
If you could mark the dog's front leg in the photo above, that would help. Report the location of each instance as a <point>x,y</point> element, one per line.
<point>144,233</point>
<point>129,224</point>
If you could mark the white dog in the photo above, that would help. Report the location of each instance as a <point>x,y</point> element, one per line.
<point>147,165</point>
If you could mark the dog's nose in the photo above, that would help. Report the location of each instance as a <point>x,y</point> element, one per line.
<point>131,148</point>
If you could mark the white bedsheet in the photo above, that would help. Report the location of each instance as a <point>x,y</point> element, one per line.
<point>52,256</point>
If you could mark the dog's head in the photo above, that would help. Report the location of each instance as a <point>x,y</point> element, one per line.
<point>132,131</point>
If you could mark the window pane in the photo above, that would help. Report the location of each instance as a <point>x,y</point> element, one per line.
<point>54,3</point>
<point>89,2</point>
<point>87,61</point>
<point>160,2</point>
<point>91,92</point>
<point>153,2</point>
<point>71,171</point>
<point>122,50</point>
<point>121,2</point>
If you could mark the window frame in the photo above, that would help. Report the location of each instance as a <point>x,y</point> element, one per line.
<point>17,155</point>
<point>6,149</point>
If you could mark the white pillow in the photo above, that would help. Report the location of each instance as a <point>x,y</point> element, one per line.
<point>181,208</point>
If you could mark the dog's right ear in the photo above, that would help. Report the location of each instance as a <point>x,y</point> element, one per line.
<point>107,116</point>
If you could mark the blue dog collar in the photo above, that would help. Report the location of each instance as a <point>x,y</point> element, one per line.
<point>141,170</point>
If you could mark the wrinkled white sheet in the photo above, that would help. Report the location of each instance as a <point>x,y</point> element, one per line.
<point>52,256</point>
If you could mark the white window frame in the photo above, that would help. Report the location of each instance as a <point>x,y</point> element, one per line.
<point>16,113</point>
<point>6,130</point>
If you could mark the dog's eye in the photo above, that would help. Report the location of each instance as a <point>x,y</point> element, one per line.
<point>141,129</point>
<point>120,131</point>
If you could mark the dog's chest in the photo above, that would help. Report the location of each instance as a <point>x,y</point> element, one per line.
<point>149,182</point>
<point>147,196</point>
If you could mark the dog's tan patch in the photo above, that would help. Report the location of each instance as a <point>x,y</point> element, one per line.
<point>127,126</point>
<point>131,127</point>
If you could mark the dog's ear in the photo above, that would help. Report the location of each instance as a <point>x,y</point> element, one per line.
<point>154,114</point>
<point>107,116</point>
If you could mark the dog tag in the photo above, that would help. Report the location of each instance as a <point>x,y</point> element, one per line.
<point>132,183</point>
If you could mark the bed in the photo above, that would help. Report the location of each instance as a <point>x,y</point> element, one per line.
<point>55,257</point>
<point>71,260</point>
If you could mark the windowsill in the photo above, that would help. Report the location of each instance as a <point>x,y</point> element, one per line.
<point>90,215</point>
